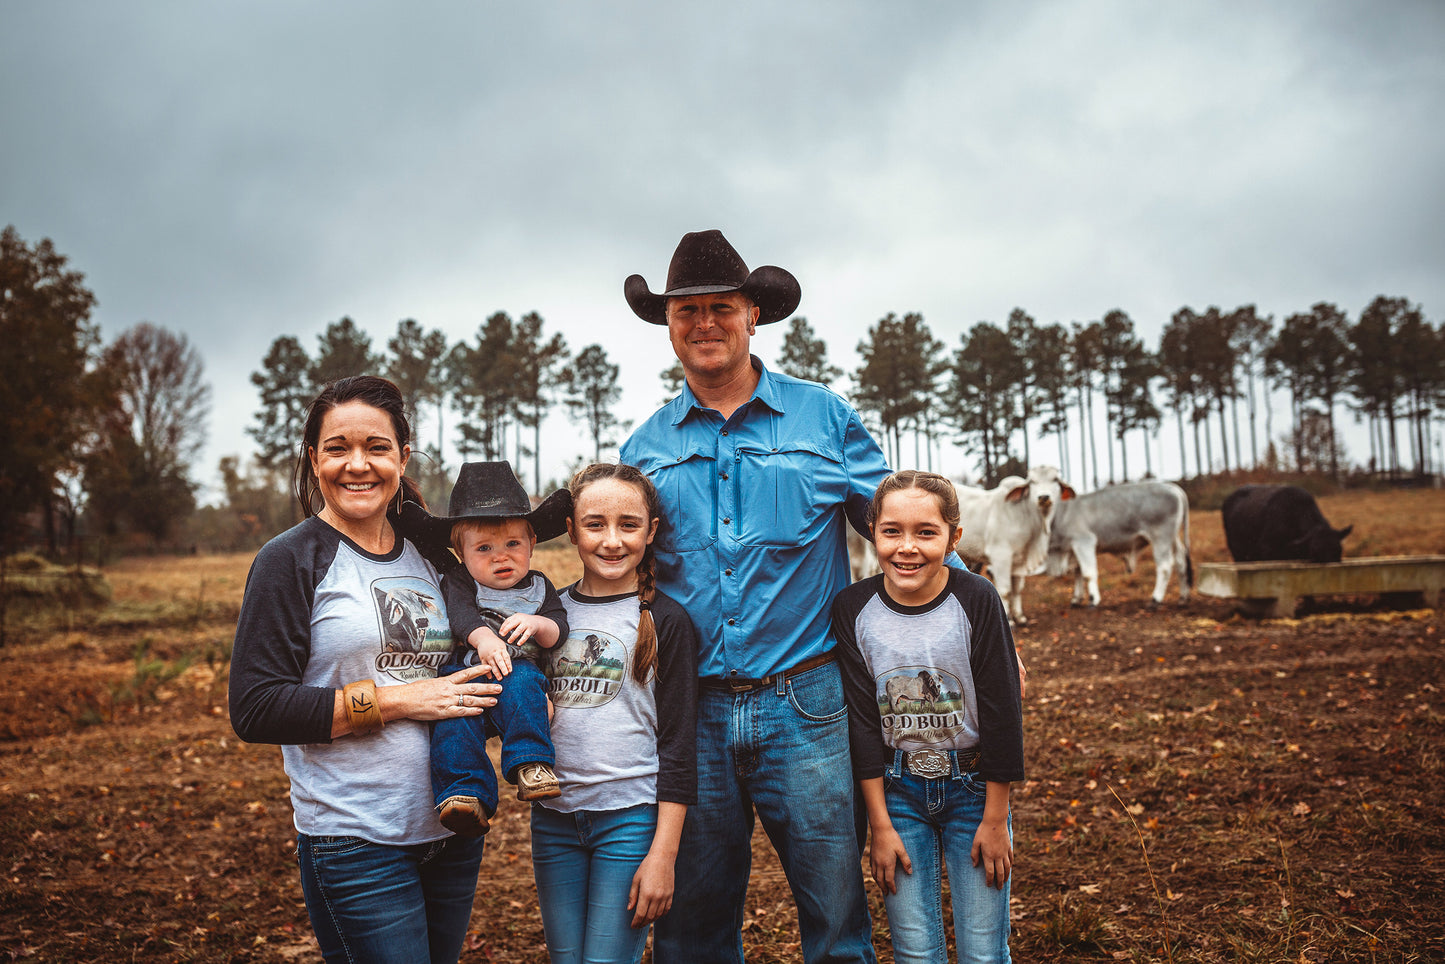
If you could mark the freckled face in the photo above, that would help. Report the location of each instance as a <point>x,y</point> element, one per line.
<point>498,554</point>
<point>357,462</point>
<point>611,530</point>
<point>912,539</point>
<point>711,333</point>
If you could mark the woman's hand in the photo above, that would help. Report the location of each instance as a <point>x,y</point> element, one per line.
<point>442,698</point>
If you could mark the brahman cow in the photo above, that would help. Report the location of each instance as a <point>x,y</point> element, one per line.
<point>1007,529</point>
<point>1264,523</point>
<point>919,692</point>
<point>406,614</point>
<point>1121,520</point>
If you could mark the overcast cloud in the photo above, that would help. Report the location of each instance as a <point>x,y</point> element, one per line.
<point>242,171</point>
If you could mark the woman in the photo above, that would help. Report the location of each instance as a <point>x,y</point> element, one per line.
<point>341,632</point>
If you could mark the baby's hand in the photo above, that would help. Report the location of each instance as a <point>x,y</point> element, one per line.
<point>491,651</point>
<point>521,627</point>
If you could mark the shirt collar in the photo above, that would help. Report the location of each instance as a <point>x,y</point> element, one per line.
<point>766,393</point>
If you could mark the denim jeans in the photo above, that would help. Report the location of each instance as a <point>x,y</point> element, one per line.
<point>459,762</point>
<point>937,819</point>
<point>384,904</point>
<point>584,863</point>
<point>783,751</point>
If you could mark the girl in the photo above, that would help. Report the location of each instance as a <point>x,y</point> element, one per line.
<point>935,723</point>
<point>624,685</point>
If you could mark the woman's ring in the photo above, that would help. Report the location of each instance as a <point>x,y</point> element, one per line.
<point>461,699</point>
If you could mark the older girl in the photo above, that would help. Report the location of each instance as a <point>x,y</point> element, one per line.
<point>342,629</point>
<point>935,724</point>
<point>624,684</point>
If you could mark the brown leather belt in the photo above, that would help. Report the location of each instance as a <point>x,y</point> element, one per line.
<point>736,685</point>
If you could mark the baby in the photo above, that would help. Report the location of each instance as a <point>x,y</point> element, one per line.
<point>507,613</point>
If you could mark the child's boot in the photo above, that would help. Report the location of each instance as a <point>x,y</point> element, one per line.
<point>464,816</point>
<point>536,781</point>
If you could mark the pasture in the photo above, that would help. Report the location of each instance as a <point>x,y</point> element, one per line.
<point>1202,787</point>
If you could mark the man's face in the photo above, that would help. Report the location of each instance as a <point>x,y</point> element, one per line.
<point>710,333</point>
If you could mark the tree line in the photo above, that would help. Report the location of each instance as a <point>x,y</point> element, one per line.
<point>106,434</point>
<point>1004,385</point>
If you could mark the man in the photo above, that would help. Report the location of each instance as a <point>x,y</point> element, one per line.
<point>759,473</point>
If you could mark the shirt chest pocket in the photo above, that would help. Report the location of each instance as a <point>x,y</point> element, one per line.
<point>688,490</point>
<point>783,494</point>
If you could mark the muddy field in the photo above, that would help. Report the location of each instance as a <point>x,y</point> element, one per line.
<point>1203,787</point>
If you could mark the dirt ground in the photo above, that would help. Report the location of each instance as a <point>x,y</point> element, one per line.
<point>1203,787</point>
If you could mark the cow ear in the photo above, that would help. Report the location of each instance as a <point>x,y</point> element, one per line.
<point>1066,491</point>
<point>1345,531</point>
<point>1017,494</point>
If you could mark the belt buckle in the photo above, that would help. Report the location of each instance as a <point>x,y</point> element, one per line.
<point>929,764</point>
<point>740,686</point>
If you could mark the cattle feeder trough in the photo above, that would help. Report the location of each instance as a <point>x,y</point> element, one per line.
<point>1272,589</point>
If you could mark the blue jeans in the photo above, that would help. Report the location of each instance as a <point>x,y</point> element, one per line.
<point>584,863</point>
<point>459,762</point>
<point>384,904</point>
<point>782,751</point>
<point>937,820</point>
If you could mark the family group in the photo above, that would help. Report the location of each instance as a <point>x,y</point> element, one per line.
<point>714,665</point>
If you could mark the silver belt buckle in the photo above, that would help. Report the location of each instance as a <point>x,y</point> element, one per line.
<point>929,764</point>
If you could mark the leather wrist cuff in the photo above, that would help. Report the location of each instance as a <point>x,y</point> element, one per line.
<point>362,710</point>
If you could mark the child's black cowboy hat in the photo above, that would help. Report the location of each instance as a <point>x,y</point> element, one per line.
<point>703,264</point>
<point>487,492</point>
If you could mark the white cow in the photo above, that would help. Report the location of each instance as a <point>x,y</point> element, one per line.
<point>1007,529</point>
<point>1121,520</point>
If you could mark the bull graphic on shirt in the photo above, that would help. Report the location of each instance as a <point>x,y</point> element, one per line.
<point>915,692</point>
<point>414,635</point>
<point>587,669</point>
<point>405,616</point>
<point>921,705</point>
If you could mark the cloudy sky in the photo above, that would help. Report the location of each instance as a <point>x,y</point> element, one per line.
<point>239,171</point>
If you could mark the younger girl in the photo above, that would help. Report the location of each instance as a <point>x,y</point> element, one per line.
<point>935,723</point>
<point>624,684</point>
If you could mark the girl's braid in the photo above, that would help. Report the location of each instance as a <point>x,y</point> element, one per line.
<point>645,656</point>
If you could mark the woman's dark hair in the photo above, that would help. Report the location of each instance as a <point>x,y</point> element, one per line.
<point>372,390</point>
<point>644,656</point>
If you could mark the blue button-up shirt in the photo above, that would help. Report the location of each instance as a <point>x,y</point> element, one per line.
<point>753,540</point>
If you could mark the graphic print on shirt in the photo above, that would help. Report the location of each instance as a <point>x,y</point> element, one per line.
<point>413,620</point>
<point>586,670</point>
<point>920,703</point>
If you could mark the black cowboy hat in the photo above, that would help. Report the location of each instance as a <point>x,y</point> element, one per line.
<point>489,492</point>
<point>703,264</point>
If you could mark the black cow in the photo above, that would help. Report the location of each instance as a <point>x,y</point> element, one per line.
<point>1263,523</point>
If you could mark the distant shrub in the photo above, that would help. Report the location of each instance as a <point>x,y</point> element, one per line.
<point>34,585</point>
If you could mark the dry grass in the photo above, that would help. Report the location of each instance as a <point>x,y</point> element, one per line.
<point>1278,783</point>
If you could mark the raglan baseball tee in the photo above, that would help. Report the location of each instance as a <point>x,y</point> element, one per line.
<point>320,612</point>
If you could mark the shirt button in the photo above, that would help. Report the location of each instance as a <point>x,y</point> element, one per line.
<point>724,431</point>
<point>732,622</point>
<point>727,572</point>
<point>724,475</point>
<point>727,522</point>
